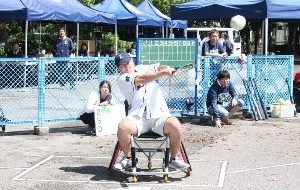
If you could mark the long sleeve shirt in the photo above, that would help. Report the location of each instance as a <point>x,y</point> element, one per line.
<point>63,47</point>
<point>217,94</point>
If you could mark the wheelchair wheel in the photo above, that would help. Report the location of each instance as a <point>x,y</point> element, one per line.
<point>3,128</point>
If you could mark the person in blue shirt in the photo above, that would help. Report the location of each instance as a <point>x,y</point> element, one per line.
<point>217,96</point>
<point>212,47</point>
<point>228,45</point>
<point>63,47</point>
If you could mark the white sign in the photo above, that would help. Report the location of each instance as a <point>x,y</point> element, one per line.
<point>107,119</point>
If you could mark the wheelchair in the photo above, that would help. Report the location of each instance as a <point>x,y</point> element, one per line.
<point>149,144</point>
<point>137,146</point>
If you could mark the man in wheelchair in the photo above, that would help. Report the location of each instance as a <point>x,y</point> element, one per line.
<point>148,110</point>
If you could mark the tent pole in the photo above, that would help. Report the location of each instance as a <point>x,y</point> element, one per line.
<point>116,36</point>
<point>26,39</point>
<point>137,31</point>
<point>40,37</point>
<point>167,32</point>
<point>263,35</point>
<point>163,31</point>
<point>266,35</point>
<point>77,43</point>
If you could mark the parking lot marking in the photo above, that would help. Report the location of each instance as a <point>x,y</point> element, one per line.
<point>260,168</point>
<point>118,183</point>
<point>31,168</point>
<point>18,177</point>
<point>222,174</point>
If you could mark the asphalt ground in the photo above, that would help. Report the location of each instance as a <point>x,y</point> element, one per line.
<point>247,155</point>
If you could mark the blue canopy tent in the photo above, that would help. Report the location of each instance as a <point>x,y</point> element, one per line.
<point>216,9</point>
<point>149,8</point>
<point>66,10</point>
<point>250,9</point>
<point>14,10</point>
<point>283,9</point>
<point>127,14</point>
<point>280,10</point>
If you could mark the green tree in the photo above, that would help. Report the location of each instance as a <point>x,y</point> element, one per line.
<point>90,3</point>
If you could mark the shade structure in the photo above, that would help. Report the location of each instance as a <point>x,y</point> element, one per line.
<point>63,10</point>
<point>149,8</point>
<point>283,9</point>
<point>12,10</point>
<point>217,9</point>
<point>127,14</point>
<point>66,10</point>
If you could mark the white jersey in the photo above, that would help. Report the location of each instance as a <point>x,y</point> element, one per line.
<point>145,96</point>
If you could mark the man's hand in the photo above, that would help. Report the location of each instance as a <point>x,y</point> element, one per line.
<point>166,70</point>
<point>224,55</point>
<point>234,102</point>
<point>218,123</point>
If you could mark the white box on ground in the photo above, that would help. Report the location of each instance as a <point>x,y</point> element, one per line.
<point>107,119</point>
<point>281,110</point>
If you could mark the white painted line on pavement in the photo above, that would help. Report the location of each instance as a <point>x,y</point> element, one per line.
<point>119,183</point>
<point>260,168</point>
<point>222,174</point>
<point>31,168</point>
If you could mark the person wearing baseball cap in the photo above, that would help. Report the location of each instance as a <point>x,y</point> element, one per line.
<point>148,110</point>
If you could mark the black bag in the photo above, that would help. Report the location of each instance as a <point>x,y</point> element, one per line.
<point>84,118</point>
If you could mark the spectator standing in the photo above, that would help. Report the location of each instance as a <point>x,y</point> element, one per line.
<point>63,47</point>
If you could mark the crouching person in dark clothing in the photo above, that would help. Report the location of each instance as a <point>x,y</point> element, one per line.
<point>102,98</point>
<point>216,99</point>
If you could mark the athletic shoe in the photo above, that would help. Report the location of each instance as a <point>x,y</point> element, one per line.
<point>124,164</point>
<point>179,165</point>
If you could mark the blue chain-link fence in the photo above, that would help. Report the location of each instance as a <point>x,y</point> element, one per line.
<point>41,90</point>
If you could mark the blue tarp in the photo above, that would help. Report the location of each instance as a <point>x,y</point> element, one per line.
<point>66,10</point>
<point>149,8</point>
<point>127,14</point>
<point>12,10</point>
<point>217,9</point>
<point>283,9</point>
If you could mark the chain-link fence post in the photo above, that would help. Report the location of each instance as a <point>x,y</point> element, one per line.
<point>41,129</point>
